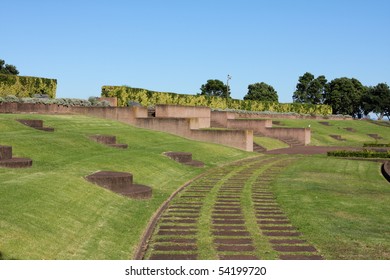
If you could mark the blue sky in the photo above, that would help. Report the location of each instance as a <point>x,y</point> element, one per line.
<point>176,46</point>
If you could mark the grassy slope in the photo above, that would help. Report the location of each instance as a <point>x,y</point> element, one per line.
<point>50,212</point>
<point>320,133</point>
<point>269,143</point>
<point>341,206</point>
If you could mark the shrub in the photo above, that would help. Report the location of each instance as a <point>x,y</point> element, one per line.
<point>376,145</point>
<point>151,98</point>
<point>23,86</point>
<point>360,154</point>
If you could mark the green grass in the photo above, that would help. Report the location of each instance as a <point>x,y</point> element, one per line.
<point>269,143</point>
<point>340,205</point>
<point>50,212</point>
<point>320,133</point>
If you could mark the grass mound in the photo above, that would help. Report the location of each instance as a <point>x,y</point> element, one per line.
<point>50,211</point>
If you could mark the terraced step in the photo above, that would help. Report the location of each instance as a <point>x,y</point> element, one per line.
<point>6,159</point>
<point>258,148</point>
<point>36,124</point>
<point>121,183</point>
<point>227,215</point>
<point>109,140</point>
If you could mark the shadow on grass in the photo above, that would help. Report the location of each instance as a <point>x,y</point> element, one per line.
<point>3,258</point>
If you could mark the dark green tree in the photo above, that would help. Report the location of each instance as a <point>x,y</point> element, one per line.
<point>215,88</point>
<point>377,100</point>
<point>345,96</point>
<point>261,92</point>
<point>8,68</point>
<point>310,89</point>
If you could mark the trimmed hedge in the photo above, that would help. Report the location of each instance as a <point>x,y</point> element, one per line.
<point>360,154</point>
<point>23,86</point>
<point>146,97</point>
<point>376,145</point>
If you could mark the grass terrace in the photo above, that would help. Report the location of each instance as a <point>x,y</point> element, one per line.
<point>50,212</point>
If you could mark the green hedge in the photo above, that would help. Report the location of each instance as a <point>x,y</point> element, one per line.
<point>360,154</point>
<point>376,145</point>
<point>23,86</point>
<point>150,98</point>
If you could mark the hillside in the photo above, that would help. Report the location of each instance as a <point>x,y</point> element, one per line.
<point>355,132</point>
<point>50,212</point>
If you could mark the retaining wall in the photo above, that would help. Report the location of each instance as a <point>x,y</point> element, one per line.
<point>123,114</point>
<point>189,128</point>
<point>185,127</point>
<point>203,114</point>
<point>303,135</point>
<point>241,139</point>
<point>255,125</point>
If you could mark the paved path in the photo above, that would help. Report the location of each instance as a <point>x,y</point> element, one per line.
<point>230,214</point>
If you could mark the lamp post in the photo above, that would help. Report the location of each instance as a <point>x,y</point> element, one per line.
<point>227,87</point>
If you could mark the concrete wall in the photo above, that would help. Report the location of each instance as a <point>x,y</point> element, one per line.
<point>222,117</point>
<point>241,139</point>
<point>177,111</point>
<point>185,127</point>
<point>189,128</point>
<point>303,135</point>
<point>123,114</point>
<point>286,116</point>
<point>255,125</point>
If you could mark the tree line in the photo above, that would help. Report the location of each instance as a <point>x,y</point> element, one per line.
<point>8,68</point>
<point>346,96</point>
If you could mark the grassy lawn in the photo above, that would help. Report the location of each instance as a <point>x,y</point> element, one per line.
<point>269,143</point>
<point>342,206</point>
<point>320,133</point>
<point>50,212</point>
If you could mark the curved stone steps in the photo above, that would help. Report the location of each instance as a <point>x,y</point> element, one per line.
<point>272,222</point>
<point>216,206</point>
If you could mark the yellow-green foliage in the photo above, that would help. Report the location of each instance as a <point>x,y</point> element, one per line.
<point>149,98</point>
<point>23,86</point>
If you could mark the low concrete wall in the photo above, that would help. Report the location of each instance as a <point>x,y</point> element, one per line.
<point>175,126</point>
<point>189,128</point>
<point>185,127</point>
<point>123,114</point>
<point>303,135</point>
<point>178,111</point>
<point>241,139</point>
<point>286,116</point>
<point>222,117</point>
<point>255,125</point>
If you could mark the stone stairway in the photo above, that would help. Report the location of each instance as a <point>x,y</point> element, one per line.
<point>258,149</point>
<point>215,206</point>
<point>291,142</point>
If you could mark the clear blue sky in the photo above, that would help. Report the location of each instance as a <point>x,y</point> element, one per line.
<point>177,45</point>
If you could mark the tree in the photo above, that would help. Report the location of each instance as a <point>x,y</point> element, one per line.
<point>309,89</point>
<point>345,95</point>
<point>377,100</point>
<point>215,88</point>
<point>7,68</point>
<point>261,92</point>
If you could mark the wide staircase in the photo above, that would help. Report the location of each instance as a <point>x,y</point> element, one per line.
<point>291,141</point>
